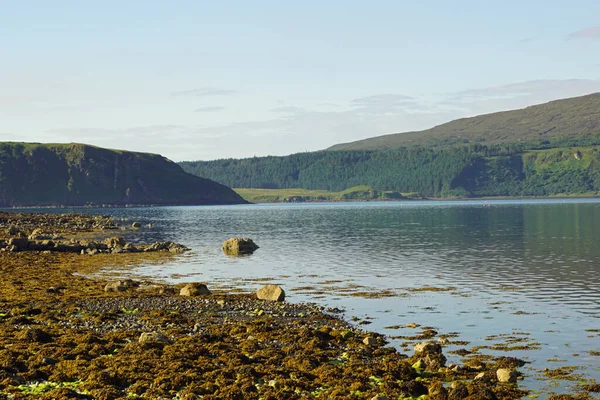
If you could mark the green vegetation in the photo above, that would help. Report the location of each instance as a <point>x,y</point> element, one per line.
<point>466,171</point>
<point>575,118</point>
<point>34,174</point>
<point>545,150</point>
<point>357,193</point>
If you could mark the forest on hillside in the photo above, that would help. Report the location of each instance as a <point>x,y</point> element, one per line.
<point>542,168</point>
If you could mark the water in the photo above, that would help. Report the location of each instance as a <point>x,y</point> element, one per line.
<point>520,269</point>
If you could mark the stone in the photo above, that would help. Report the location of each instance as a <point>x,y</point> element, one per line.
<point>420,364</point>
<point>507,375</point>
<point>480,375</point>
<point>114,242</point>
<point>136,225</point>
<point>237,246</point>
<point>19,243</point>
<point>194,289</point>
<point>271,292</point>
<point>370,341</point>
<point>154,337</point>
<point>379,397</point>
<point>118,286</point>
<point>427,348</point>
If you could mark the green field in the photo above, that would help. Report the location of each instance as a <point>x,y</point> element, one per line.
<point>357,193</point>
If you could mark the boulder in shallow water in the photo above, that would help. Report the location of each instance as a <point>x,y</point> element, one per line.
<point>194,289</point>
<point>136,225</point>
<point>271,292</point>
<point>237,246</point>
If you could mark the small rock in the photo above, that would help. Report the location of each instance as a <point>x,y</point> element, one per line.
<point>274,384</point>
<point>136,225</point>
<point>370,341</point>
<point>271,292</point>
<point>118,286</point>
<point>412,325</point>
<point>379,397</point>
<point>194,289</point>
<point>114,242</point>
<point>153,337</point>
<point>507,375</point>
<point>480,375</point>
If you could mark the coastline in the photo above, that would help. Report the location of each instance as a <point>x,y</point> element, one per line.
<point>64,336</point>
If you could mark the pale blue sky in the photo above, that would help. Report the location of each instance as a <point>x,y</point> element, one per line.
<point>206,79</point>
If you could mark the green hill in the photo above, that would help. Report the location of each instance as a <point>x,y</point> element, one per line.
<point>467,171</point>
<point>34,174</point>
<point>572,118</point>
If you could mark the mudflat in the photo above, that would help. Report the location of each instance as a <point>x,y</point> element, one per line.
<point>66,333</point>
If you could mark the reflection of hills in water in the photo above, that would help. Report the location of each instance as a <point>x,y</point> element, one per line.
<point>545,252</point>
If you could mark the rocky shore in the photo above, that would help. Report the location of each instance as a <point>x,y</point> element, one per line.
<point>65,336</point>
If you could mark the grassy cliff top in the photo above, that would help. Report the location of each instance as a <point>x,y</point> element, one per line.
<point>571,117</point>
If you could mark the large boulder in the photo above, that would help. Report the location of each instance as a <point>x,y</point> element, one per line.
<point>236,246</point>
<point>271,292</point>
<point>194,289</point>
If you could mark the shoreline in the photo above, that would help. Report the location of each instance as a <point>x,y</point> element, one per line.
<point>65,336</point>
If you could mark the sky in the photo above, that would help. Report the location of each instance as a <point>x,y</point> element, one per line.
<point>202,80</point>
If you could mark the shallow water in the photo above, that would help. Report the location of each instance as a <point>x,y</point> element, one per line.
<point>528,271</point>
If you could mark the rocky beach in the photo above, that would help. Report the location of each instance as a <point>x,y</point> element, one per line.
<point>67,332</point>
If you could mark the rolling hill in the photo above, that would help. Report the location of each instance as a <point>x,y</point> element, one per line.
<point>560,119</point>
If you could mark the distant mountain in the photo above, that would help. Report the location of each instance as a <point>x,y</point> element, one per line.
<point>560,119</point>
<point>34,174</point>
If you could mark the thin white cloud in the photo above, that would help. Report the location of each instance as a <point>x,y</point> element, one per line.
<point>209,109</point>
<point>588,33</point>
<point>205,92</point>
<point>289,110</point>
<point>296,130</point>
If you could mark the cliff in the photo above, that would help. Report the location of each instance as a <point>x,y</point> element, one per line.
<point>34,174</point>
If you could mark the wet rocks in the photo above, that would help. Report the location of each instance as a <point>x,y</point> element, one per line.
<point>171,247</point>
<point>271,293</point>
<point>506,375</point>
<point>239,246</point>
<point>431,353</point>
<point>194,289</point>
<point>370,341</point>
<point>136,225</point>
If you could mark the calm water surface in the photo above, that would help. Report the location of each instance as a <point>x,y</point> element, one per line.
<point>510,269</point>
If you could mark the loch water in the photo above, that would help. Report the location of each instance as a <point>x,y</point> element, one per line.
<point>518,273</point>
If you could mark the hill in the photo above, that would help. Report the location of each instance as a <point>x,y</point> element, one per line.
<point>467,171</point>
<point>571,118</point>
<point>34,174</point>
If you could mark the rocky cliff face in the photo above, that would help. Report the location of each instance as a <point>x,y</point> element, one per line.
<point>33,174</point>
